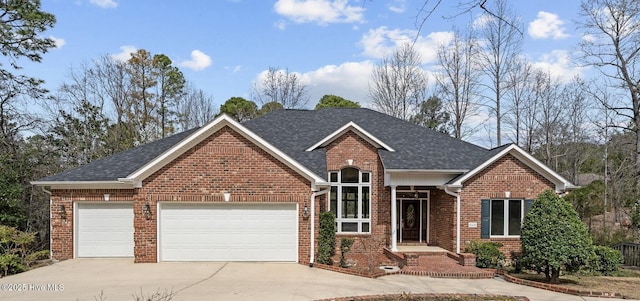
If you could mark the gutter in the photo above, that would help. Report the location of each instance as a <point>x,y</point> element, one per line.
<point>456,194</point>
<point>313,223</point>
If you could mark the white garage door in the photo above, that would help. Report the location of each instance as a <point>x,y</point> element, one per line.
<point>228,232</point>
<point>104,230</point>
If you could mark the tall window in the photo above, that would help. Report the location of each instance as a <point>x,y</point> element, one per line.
<point>506,217</point>
<point>350,200</point>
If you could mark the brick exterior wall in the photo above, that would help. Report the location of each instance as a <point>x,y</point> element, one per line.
<point>365,157</point>
<point>228,162</point>
<point>506,174</point>
<point>62,228</point>
<point>223,162</point>
<point>442,218</point>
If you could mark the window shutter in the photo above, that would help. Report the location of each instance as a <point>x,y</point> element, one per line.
<point>527,205</point>
<point>485,218</point>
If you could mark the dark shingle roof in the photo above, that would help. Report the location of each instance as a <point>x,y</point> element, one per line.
<point>119,165</point>
<point>294,131</point>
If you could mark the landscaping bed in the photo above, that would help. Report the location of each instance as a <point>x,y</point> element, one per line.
<point>625,282</point>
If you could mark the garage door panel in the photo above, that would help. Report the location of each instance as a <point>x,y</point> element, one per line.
<point>228,232</point>
<point>105,230</point>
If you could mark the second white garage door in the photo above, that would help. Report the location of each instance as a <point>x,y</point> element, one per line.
<point>228,232</point>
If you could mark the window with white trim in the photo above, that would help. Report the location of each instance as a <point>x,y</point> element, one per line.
<point>350,200</point>
<point>507,216</point>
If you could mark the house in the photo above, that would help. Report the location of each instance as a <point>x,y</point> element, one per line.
<point>253,191</point>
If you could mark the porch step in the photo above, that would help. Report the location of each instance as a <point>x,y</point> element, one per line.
<point>438,264</point>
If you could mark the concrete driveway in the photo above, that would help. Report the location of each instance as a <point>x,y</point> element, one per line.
<point>120,279</point>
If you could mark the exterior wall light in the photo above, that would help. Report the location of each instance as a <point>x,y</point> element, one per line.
<point>106,197</point>
<point>62,211</point>
<point>305,211</point>
<point>146,211</point>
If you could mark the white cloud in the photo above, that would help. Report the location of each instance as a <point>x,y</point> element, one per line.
<point>321,12</point>
<point>59,42</point>
<point>381,42</point>
<point>281,24</point>
<point>589,38</point>
<point>481,21</point>
<point>397,6</point>
<point>124,54</point>
<point>105,3</point>
<point>234,69</point>
<point>199,61</point>
<point>547,25</point>
<point>558,64</point>
<point>349,80</point>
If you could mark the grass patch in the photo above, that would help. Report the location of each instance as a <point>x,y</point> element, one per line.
<point>624,281</point>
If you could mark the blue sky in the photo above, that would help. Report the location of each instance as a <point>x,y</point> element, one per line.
<point>222,46</point>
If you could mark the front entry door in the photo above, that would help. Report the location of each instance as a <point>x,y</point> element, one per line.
<point>410,220</point>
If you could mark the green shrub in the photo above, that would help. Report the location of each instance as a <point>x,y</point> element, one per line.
<point>345,246</point>
<point>11,264</point>
<point>606,260</point>
<point>554,238</point>
<point>15,251</point>
<point>487,253</point>
<point>327,239</point>
<point>35,256</point>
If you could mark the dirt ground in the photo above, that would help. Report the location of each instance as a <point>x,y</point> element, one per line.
<point>628,286</point>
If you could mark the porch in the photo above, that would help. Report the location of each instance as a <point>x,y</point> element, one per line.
<point>423,260</point>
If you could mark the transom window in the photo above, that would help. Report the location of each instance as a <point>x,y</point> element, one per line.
<point>507,216</point>
<point>350,200</point>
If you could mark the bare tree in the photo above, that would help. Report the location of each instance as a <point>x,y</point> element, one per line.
<point>282,86</point>
<point>398,84</point>
<point>613,48</point>
<point>576,144</point>
<point>518,97</point>
<point>503,42</point>
<point>458,81</point>
<point>549,116</point>
<point>196,109</point>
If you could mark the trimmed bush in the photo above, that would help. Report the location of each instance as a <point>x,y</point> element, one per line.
<point>345,246</point>
<point>554,238</point>
<point>487,253</point>
<point>606,261</point>
<point>327,239</point>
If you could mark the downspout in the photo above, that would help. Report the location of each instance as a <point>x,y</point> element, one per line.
<point>457,196</point>
<point>50,216</point>
<point>313,223</point>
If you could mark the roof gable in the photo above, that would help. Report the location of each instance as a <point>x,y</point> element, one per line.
<point>561,183</point>
<point>204,132</point>
<point>353,127</point>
